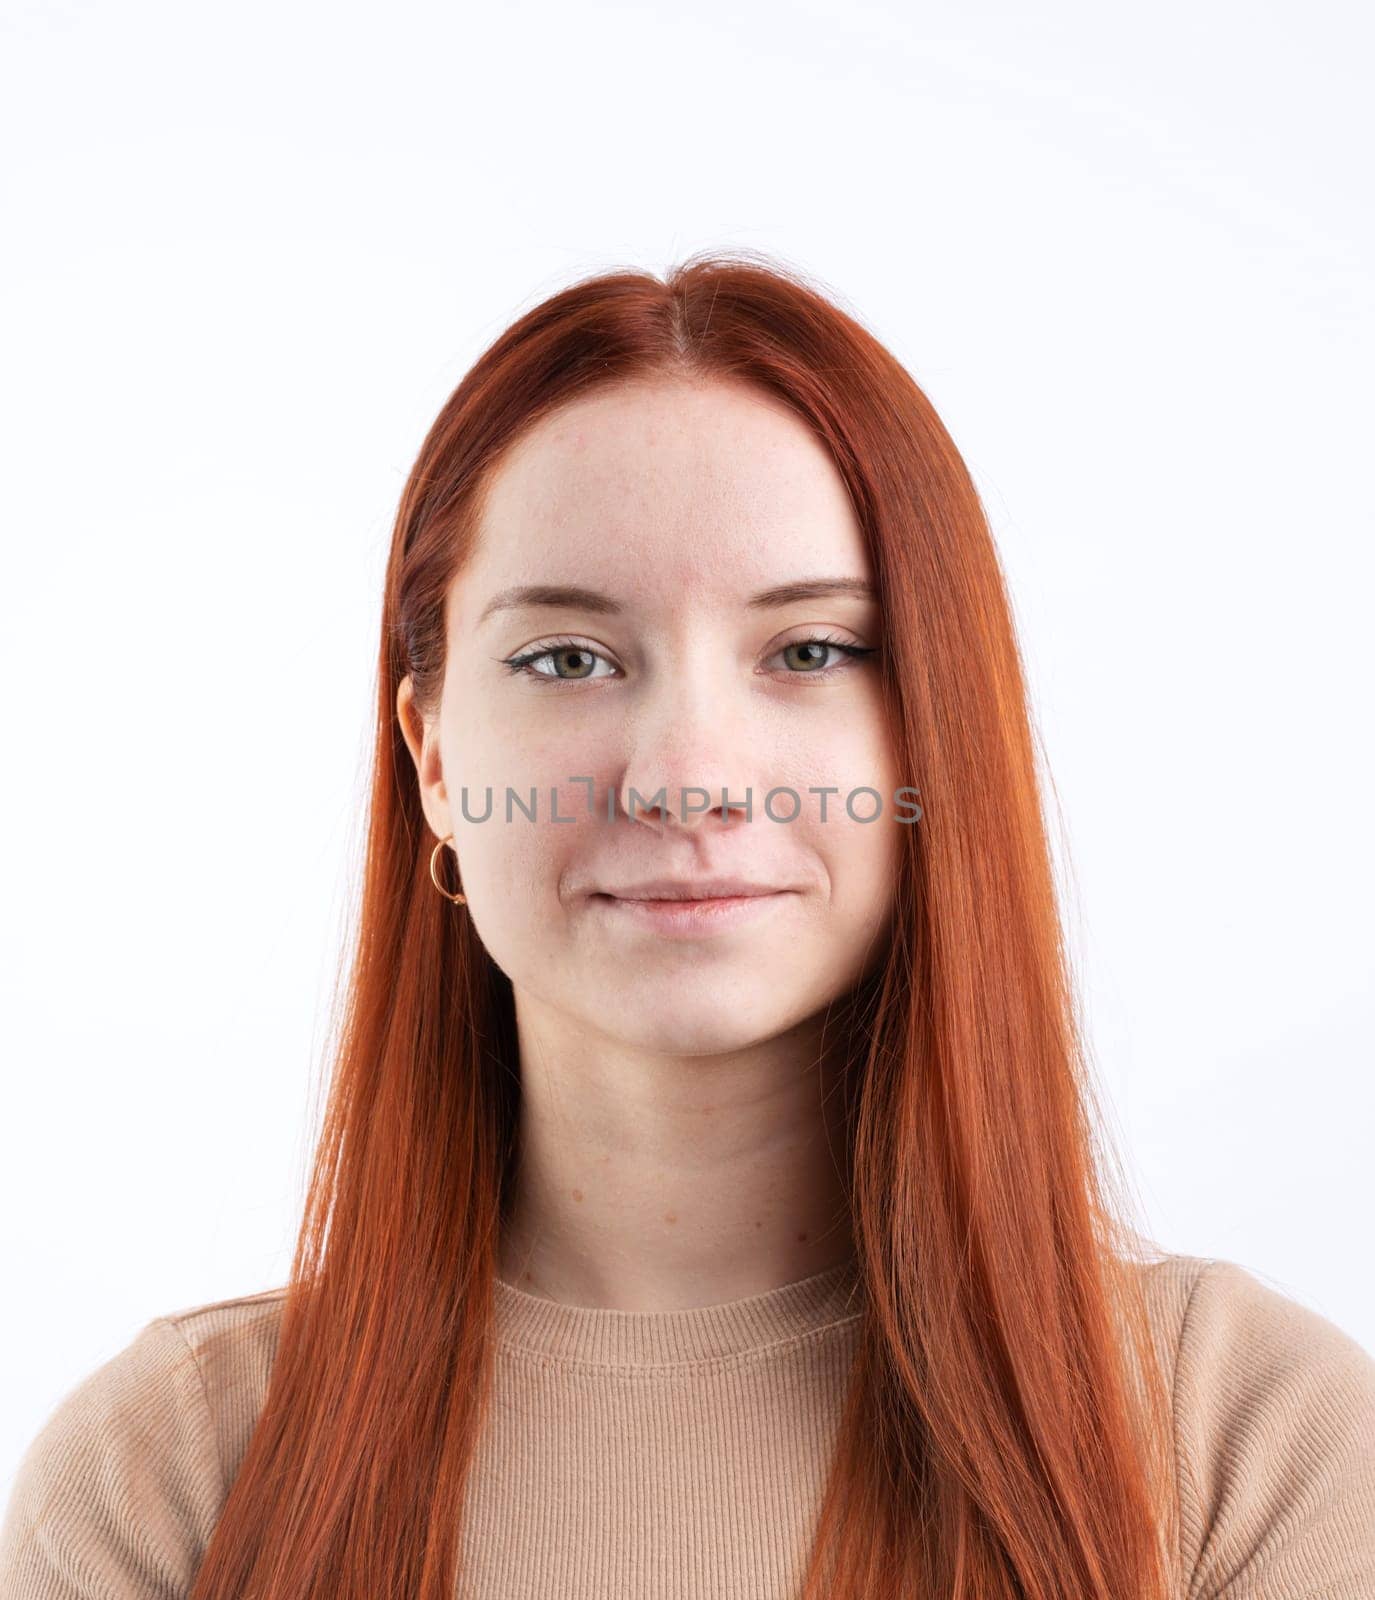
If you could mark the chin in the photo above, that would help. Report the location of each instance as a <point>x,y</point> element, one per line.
<point>712,1010</point>
<point>689,1026</point>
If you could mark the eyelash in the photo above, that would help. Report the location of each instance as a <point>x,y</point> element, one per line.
<point>521,665</point>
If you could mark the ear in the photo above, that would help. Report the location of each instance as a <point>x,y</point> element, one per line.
<point>422,740</point>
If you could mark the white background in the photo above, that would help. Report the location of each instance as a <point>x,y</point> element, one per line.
<point>1127,253</point>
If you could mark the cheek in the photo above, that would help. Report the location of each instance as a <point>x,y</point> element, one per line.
<point>514,871</point>
<point>505,747</point>
<point>513,760</point>
<point>862,861</point>
<point>522,864</point>
<point>862,867</point>
<point>851,759</point>
<point>861,857</point>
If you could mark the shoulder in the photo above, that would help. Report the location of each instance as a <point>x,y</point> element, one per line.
<point>1274,1415</point>
<point>119,1491</point>
<point>233,1344</point>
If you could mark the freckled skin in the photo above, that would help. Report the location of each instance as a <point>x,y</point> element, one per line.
<point>693,1069</point>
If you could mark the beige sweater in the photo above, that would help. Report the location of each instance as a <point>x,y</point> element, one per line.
<point>683,1454</point>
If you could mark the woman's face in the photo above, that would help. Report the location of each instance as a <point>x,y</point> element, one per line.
<point>685,509</point>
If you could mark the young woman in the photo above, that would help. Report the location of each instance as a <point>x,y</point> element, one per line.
<point>711,1200</point>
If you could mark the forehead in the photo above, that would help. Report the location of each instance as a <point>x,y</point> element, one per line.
<point>666,488</point>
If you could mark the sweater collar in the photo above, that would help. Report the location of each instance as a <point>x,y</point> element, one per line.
<point>603,1337</point>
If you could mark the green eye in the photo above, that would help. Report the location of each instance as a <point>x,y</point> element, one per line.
<point>812,651</point>
<point>805,658</point>
<point>560,650</point>
<point>814,663</point>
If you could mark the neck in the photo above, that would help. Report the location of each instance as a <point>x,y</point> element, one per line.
<point>656,1183</point>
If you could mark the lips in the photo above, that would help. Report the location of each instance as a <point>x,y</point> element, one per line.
<point>675,889</point>
<point>676,916</point>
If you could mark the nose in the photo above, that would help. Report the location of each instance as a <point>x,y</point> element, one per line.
<point>685,748</point>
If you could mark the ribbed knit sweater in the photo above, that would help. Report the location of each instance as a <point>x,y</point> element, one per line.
<point>683,1454</point>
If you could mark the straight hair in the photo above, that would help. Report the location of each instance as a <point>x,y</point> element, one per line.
<point>1006,1432</point>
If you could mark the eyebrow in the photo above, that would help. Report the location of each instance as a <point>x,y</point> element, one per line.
<point>571,597</point>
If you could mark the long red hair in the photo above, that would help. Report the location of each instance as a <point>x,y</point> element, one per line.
<point>1006,1434</point>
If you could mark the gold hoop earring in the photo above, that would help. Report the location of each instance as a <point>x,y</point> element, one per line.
<point>458,899</point>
